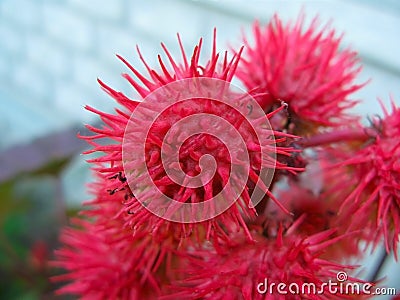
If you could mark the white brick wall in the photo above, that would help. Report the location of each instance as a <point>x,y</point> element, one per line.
<point>33,81</point>
<point>53,48</point>
<point>12,43</point>
<point>68,27</point>
<point>101,10</point>
<point>23,13</point>
<point>52,57</point>
<point>162,22</point>
<point>113,39</point>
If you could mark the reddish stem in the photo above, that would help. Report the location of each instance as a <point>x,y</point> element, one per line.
<point>260,207</point>
<point>343,135</point>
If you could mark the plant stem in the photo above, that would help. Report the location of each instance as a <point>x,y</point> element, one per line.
<point>336,136</point>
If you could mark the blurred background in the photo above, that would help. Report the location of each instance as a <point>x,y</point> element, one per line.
<point>52,52</point>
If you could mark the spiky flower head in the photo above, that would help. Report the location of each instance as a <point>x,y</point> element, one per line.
<point>102,263</point>
<point>143,131</point>
<point>253,270</point>
<point>108,262</point>
<point>124,246</point>
<point>304,67</point>
<point>316,211</point>
<point>104,259</point>
<point>374,180</point>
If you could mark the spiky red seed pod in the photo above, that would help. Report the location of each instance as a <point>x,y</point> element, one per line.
<point>304,67</point>
<point>115,125</point>
<point>374,199</point>
<point>108,262</point>
<point>125,245</point>
<point>238,272</point>
<point>316,211</point>
<point>103,259</point>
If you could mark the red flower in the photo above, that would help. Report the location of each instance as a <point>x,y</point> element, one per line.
<point>105,260</point>
<point>116,127</point>
<point>125,250</point>
<point>108,262</point>
<point>374,181</point>
<point>314,212</point>
<point>303,67</point>
<point>242,270</point>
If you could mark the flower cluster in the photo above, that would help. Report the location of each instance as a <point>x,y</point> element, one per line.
<point>203,190</point>
<point>304,68</point>
<point>286,259</point>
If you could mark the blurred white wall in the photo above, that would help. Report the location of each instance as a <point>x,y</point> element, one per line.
<point>51,52</point>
